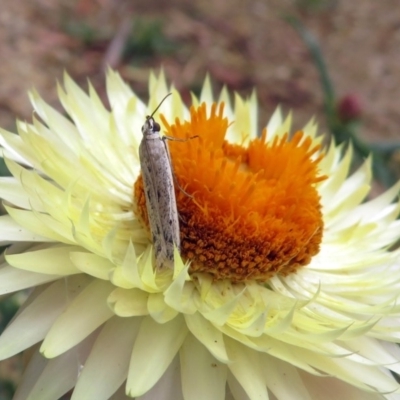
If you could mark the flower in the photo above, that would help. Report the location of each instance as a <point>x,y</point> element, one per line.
<point>286,284</point>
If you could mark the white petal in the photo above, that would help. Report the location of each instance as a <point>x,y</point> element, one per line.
<point>158,90</point>
<point>108,362</point>
<point>84,314</point>
<point>40,224</point>
<point>60,374</point>
<point>61,127</point>
<point>278,373</point>
<point>128,302</point>
<point>12,191</point>
<point>235,389</point>
<point>118,92</point>
<point>206,91</point>
<point>274,123</point>
<point>10,232</point>
<point>92,264</point>
<point>154,350</point>
<point>52,260</point>
<point>32,372</point>
<point>208,335</point>
<point>168,386</point>
<point>44,310</point>
<point>247,369</point>
<point>15,148</point>
<point>333,389</point>
<point>203,377</point>
<point>12,279</point>
<point>159,310</point>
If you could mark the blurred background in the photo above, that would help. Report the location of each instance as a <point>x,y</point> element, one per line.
<point>332,59</point>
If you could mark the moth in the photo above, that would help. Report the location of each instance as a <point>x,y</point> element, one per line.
<point>158,183</point>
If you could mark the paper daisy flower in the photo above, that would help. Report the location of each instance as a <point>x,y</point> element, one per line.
<point>285,286</point>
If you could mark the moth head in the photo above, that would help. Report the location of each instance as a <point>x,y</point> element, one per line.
<point>150,125</point>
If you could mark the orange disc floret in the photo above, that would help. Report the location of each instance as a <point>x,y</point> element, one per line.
<point>252,211</point>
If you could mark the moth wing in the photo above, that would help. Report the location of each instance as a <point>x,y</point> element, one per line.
<point>160,199</point>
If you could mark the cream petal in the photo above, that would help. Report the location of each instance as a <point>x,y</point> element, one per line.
<point>362,376</point>
<point>177,108</point>
<point>40,224</point>
<point>15,149</point>
<point>203,377</point>
<point>118,92</point>
<point>92,264</point>
<point>159,310</point>
<point>126,275</point>
<point>329,187</point>
<point>311,129</point>
<point>61,127</point>
<point>55,259</point>
<point>283,379</point>
<point>373,208</point>
<point>373,349</point>
<point>155,347</point>
<point>333,389</point>
<point>32,372</point>
<point>245,126</point>
<point>351,193</point>
<point>168,387</point>
<point>241,129</point>
<point>208,335</point>
<point>12,192</point>
<point>83,315</point>
<point>180,293</point>
<point>60,374</point>
<point>206,94</point>
<point>247,368</point>
<point>157,89</point>
<point>236,389</point>
<point>12,279</point>
<point>108,362</point>
<point>44,310</point>
<point>274,123</point>
<point>283,351</point>
<point>333,155</point>
<point>85,113</point>
<point>253,111</point>
<point>128,302</point>
<point>11,232</point>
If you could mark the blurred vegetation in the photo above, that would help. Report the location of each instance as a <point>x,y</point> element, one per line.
<point>343,116</point>
<point>147,40</point>
<point>8,307</point>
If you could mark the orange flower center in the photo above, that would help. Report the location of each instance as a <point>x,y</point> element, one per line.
<point>254,211</point>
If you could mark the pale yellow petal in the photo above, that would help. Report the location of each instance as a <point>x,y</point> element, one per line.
<point>108,362</point>
<point>210,336</point>
<point>146,367</point>
<point>50,260</point>
<point>246,367</point>
<point>128,302</point>
<point>10,232</point>
<point>83,315</point>
<point>44,307</point>
<point>203,377</point>
<point>92,264</point>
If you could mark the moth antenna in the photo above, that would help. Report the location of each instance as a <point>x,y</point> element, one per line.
<point>162,101</point>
